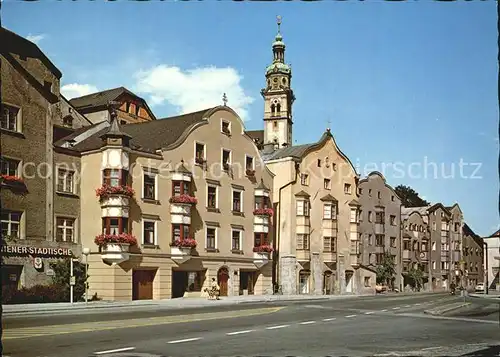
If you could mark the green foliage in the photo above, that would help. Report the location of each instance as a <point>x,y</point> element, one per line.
<point>386,270</point>
<point>409,197</point>
<point>62,278</point>
<point>416,277</point>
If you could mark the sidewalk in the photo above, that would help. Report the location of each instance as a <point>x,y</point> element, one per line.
<point>179,303</point>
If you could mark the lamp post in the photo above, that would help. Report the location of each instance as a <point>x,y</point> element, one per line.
<point>72,280</point>
<point>86,252</point>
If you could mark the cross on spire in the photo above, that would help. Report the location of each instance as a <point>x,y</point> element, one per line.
<point>278,20</point>
<point>224,99</point>
<point>328,122</point>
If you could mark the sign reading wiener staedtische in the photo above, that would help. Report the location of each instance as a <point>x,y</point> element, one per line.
<point>22,249</point>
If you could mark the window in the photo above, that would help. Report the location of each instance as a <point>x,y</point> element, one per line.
<point>211,233</point>
<point>114,177</point>
<point>11,223</point>
<point>354,215</point>
<point>360,191</point>
<point>370,217</point>
<point>237,201</point>
<point>433,226</point>
<point>319,162</point>
<point>137,109</point>
<point>302,241</point>
<point>326,184</point>
<point>327,211</point>
<point>302,208</point>
<point>379,240</point>
<point>114,225</point>
<point>379,195</point>
<point>392,198</point>
<point>379,217</point>
<point>68,121</point>
<point>249,162</point>
<point>275,125</point>
<point>367,282</point>
<point>379,257</point>
<point>226,159</point>
<point>236,240</point>
<point>392,220</point>
<point>347,189</point>
<point>329,244</point>
<point>393,242</point>
<point>212,197</point>
<point>150,185</point>
<point>261,202</point>
<point>225,127</point>
<point>457,226</point>
<point>9,167</point>
<point>370,239</point>
<point>369,192</point>
<point>180,188</point>
<point>9,120</point>
<point>304,179</point>
<point>180,231</point>
<point>65,181</point>
<point>260,239</point>
<point>434,264</point>
<point>149,232</point>
<point>199,153</point>
<point>406,245</point>
<point>65,228</point>
<point>434,246</point>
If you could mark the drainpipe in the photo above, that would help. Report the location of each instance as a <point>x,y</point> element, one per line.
<point>277,222</point>
<point>486,268</point>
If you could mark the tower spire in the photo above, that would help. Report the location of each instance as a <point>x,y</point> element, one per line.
<point>278,20</point>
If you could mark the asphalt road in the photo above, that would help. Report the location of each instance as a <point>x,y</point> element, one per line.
<point>367,326</point>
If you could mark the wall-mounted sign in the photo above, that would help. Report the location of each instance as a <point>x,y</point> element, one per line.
<point>50,272</point>
<point>25,250</point>
<point>38,263</point>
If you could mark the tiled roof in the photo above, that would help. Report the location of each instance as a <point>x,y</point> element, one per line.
<point>302,194</point>
<point>100,98</point>
<point>256,135</point>
<point>149,136</point>
<point>328,198</point>
<point>294,151</point>
<point>406,211</point>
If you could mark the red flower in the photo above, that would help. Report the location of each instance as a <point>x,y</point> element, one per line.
<point>263,249</point>
<point>105,191</point>
<point>184,243</point>
<point>9,178</point>
<point>184,199</point>
<point>123,238</point>
<point>263,212</point>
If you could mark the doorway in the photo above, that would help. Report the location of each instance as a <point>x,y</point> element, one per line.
<point>222,278</point>
<point>247,281</point>
<point>348,281</point>
<point>304,281</point>
<point>328,282</point>
<point>142,284</point>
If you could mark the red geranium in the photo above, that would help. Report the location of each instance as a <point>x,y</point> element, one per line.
<point>184,199</point>
<point>122,238</point>
<point>263,212</point>
<point>105,191</point>
<point>263,249</point>
<point>184,243</point>
<point>9,178</point>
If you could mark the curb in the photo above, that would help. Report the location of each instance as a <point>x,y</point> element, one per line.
<point>437,311</point>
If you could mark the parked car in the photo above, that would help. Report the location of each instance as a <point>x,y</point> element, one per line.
<point>479,288</point>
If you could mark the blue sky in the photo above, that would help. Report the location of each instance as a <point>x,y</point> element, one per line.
<point>407,83</point>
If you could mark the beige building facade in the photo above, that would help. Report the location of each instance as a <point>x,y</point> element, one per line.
<point>193,192</point>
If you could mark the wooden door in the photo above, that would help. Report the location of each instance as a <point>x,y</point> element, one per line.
<point>142,281</point>
<point>223,277</point>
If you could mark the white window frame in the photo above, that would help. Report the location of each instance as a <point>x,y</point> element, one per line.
<point>353,215</point>
<point>253,161</point>
<point>66,173</point>
<point>222,156</point>
<point>301,208</point>
<point>20,222</point>
<point>304,179</point>
<point>327,211</point>
<point>8,160</point>
<point>327,184</point>
<point>216,237</point>
<point>216,196</point>
<point>241,200</point>
<point>145,171</point>
<point>65,227</point>
<point>155,232</point>
<point>18,128</point>
<point>204,150</point>
<point>240,239</point>
<point>434,246</point>
<point>228,122</point>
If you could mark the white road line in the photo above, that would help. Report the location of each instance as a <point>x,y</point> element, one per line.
<point>430,348</point>
<point>276,327</point>
<point>307,322</point>
<point>384,310</point>
<point>417,304</point>
<point>351,316</point>
<point>186,340</point>
<point>407,305</point>
<point>369,313</point>
<point>239,332</point>
<point>114,351</point>
<point>395,308</point>
<point>330,319</point>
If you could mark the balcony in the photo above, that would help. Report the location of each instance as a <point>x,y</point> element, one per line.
<point>114,200</point>
<point>180,209</point>
<point>329,257</point>
<point>379,228</point>
<point>406,254</point>
<point>303,255</point>
<point>115,247</point>
<point>262,255</point>
<point>181,250</point>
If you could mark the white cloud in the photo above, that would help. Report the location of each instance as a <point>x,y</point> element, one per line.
<point>74,90</point>
<point>35,38</point>
<point>194,89</point>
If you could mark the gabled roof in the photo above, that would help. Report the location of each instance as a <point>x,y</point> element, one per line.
<point>256,135</point>
<point>377,173</point>
<point>354,203</point>
<point>496,234</point>
<point>328,198</point>
<point>468,231</point>
<point>407,211</point>
<point>302,194</point>
<point>262,186</point>
<point>438,205</point>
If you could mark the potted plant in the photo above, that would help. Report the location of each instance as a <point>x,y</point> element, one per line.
<point>263,212</point>
<point>266,248</point>
<point>187,199</point>
<point>122,239</point>
<point>106,191</point>
<point>184,243</point>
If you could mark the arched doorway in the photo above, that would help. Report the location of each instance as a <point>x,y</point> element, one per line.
<point>304,281</point>
<point>222,278</point>
<point>328,282</point>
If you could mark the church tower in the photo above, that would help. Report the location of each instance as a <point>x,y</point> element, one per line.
<point>278,97</point>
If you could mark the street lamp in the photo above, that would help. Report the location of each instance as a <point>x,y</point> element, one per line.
<point>72,280</point>
<point>86,252</point>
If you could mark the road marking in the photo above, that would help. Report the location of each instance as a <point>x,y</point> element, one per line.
<point>186,340</point>
<point>396,308</point>
<point>114,351</point>
<point>348,316</point>
<point>369,313</point>
<point>307,322</point>
<point>407,305</point>
<point>384,310</point>
<point>417,304</point>
<point>276,327</point>
<point>239,332</point>
<point>330,319</point>
<point>430,348</point>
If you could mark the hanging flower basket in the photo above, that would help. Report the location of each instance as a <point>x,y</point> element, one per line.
<point>105,191</point>
<point>184,199</point>
<point>263,212</point>
<point>123,238</point>
<point>184,243</point>
<point>263,249</point>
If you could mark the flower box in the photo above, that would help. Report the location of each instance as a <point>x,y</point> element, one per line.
<point>105,191</point>
<point>124,238</point>
<point>250,173</point>
<point>263,249</point>
<point>184,199</point>
<point>8,179</point>
<point>263,212</point>
<point>184,243</point>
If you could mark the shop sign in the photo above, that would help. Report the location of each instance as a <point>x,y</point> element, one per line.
<point>27,250</point>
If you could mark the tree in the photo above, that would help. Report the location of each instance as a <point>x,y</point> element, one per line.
<point>62,275</point>
<point>386,270</point>
<point>416,277</point>
<point>409,197</point>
